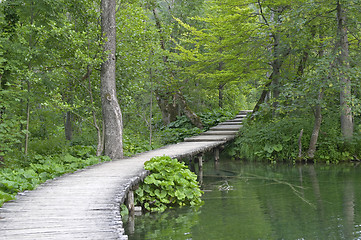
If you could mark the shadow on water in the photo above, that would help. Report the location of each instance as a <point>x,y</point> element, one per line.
<point>259,201</point>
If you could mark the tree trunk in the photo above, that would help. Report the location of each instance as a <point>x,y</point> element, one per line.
<point>345,82</point>
<point>276,66</point>
<point>68,126</point>
<point>112,115</point>
<point>220,95</point>
<point>194,118</point>
<point>27,121</point>
<point>263,96</point>
<point>167,107</point>
<point>316,127</point>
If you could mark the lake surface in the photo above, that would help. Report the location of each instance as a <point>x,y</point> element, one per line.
<point>260,201</point>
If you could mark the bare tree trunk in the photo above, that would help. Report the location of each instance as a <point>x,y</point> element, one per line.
<point>167,107</point>
<point>262,98</point>
<point>27,121</point>
<point>100,145</point>
<point>68,126</point>
<point>220,95</point>
<point>347,125</point>
<point>316,127</point>
<point>194,118</point>
<point>276,66</point>
<point>112,115</point>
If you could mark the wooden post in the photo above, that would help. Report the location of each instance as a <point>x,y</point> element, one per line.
<point>216,154</point>
<point>191,164</point>
<point>200,162</point>
<point>130,202</point>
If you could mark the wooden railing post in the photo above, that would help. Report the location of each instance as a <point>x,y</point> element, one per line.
<point>216,154</point>
<point>200,161</point>
<point>130,202</point>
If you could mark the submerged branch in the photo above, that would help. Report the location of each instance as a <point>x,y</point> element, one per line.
<point>295,189</point>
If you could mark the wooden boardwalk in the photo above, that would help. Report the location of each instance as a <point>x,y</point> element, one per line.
<point>85,204</point>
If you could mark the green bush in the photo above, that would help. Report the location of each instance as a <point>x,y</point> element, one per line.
<point>271,141</point>
<point>277,140</point>
<point>170,184</point>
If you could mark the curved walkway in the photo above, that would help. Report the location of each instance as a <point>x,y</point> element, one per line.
<point>85,204</point>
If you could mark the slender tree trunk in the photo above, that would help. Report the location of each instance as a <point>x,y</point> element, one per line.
<point>112,115</point>
<point>220,95</point>
<point>100,144</point>
<point>68,126</point>
<point>347,125</point>
<point>194,118</point>
<point>151,108</point>
<point>167,107</point>
<point>276,66</point>
<point>27,120</point>
<point>318,107</point>
<point>316,127</point>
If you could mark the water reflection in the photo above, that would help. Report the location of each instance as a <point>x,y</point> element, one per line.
<point>258,201</point>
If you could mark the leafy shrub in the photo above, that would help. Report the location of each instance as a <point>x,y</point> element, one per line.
<point>174,135</point>
<point>182,127</point>
<point>133,144</point>
<point>277,140</point>
<point>271,141</point>
<point>214,117</point>
<point>49,146</point>
<point>170,184</point>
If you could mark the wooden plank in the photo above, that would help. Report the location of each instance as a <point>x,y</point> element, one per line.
<point>211,132</point>
<point>210,138</point>
<point>226,128</point>
<point>231,123</point>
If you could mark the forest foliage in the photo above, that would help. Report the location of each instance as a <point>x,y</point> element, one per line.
<point>182,66</point>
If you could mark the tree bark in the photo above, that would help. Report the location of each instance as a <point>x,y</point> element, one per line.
<point>112,115</point>
<point>167,107</point>
<point>194,118</point>
<point>347,125</point>
<point>220,94</point>
<point>316,127</point>
<point>68,126</point>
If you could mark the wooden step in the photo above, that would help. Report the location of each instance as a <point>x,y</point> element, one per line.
<point>226,128</point>
<point>210,132</point>
<point>231,123</point>
<point>210,138</point>
<point>236,120</point>
<point>245,112</point>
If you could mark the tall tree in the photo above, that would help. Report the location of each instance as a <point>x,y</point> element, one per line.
<point>112,115</point>
<point>345,81</point>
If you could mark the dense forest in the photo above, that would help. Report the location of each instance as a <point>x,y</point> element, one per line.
<point>180,66</point>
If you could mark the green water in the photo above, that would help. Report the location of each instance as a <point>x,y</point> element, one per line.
<point>258,201</point>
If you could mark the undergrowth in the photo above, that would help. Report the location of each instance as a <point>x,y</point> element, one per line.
<point>42,168</point>
<point>183,128</point>
<point>277,140</point>
<point>170,184</point>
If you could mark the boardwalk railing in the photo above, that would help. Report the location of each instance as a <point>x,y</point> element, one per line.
<point>85,204</point>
